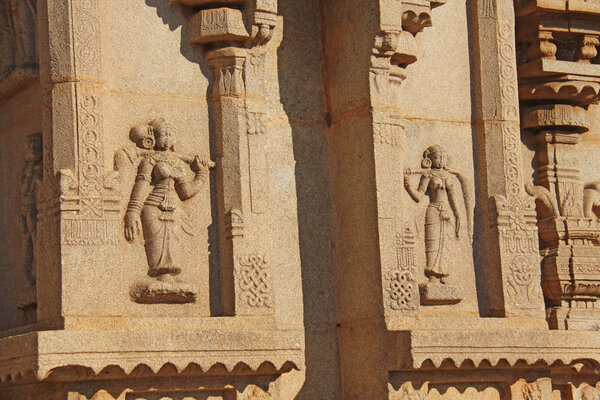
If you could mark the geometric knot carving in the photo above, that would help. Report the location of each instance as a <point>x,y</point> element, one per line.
<point>401,289</point>
<point>253,278</point>
<point>401,286</point>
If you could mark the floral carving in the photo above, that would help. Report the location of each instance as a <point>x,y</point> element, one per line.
<point>508,69</point>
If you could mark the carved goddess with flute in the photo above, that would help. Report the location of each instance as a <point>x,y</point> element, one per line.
<point>437,184</point>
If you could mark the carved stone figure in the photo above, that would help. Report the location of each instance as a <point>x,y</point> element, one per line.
<point>18,33</point>
<point>162,182</point>
<point>544,197</point>
<point>31,175</point>
<point>442,221</point>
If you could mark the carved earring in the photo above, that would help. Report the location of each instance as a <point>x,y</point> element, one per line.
<point>148,143</point>
<point>426,163</point>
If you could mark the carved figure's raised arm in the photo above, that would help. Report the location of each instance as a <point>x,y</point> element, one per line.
<point>186,189</point>
<point>418,194</point>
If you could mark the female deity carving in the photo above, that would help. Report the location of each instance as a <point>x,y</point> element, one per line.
<point>161,183</point>
<point>31,176</point>
<point>437,184</point>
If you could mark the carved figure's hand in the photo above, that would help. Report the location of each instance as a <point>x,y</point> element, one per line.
<point>200,163</point>
<point>457,227</point>
<point>133,225</point>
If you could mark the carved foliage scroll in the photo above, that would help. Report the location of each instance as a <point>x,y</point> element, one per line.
<point>93,211</point>
<point>517,228</point>
<point>508,72</point>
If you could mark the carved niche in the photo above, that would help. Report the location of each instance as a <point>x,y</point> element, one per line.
<point>437,184</point>
<point>559,77</point>
<point>394,48</point>
<point>18,49</point>
<point>31,177</point>
<point>162,182</point>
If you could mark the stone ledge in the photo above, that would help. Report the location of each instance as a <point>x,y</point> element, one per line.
<point>74,355</point>
<point>418,348</point>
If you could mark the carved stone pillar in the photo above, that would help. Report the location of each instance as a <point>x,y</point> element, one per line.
<point>510,249</point>
<point>237,58</point>
<point>377,279</point>
<point>228,90</point>
<point>395,48</point>
<point>556,86</point>
<point>76,207</point>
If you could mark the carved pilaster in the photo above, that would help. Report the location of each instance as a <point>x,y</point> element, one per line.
<point>234,39</point>
<point>90,211</point>
<point>75,206</point>
<point>510,249</point>
<point>230,125</point>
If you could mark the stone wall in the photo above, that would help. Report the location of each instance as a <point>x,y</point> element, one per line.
<point>320,199</point>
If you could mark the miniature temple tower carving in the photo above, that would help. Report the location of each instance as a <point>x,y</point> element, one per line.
<point>558,80</point>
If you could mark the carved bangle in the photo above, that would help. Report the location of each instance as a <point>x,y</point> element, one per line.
<point>200,175</point>
<point>134,205</point>
<point>142,177</point>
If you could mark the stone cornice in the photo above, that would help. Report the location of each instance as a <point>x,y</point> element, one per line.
<point>501,349</point>
<point>77,355</point>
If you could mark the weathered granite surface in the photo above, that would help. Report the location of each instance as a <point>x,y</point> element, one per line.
<point>284,199</point>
